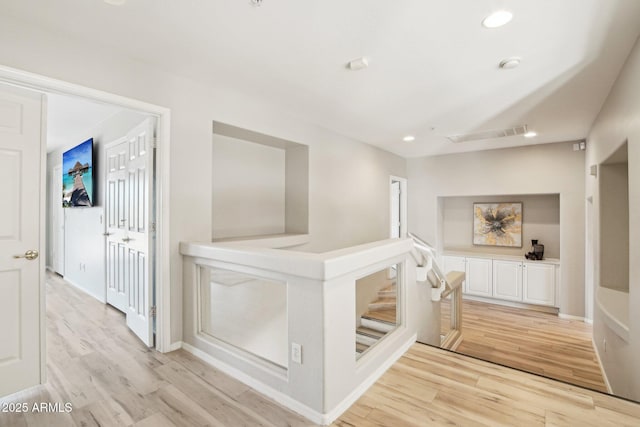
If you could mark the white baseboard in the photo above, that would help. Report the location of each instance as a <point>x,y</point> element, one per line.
<point>571,317</point>
<point>175,346</point>
<point>333,415</point>
<point>75,285</point>
<point>604,373</point>
<point>260,387</point>
<point>288,401</point>
<point>589,321</point>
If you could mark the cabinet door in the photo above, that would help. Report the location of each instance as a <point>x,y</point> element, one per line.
<point>454,263</point>
<point>479,274</point>
<point>507,280</point>
<point>539,284</point>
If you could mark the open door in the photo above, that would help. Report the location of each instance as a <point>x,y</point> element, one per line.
<point>130,229</point>
<point>21,239</point>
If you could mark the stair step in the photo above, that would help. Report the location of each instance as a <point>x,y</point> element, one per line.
<point>373,333</point>
<point>376,324</point>
<point>366,340</point>
<point>383,304</point>
<point>360,348</point>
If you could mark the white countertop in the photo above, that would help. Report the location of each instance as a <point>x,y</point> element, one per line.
<point>473,254</point>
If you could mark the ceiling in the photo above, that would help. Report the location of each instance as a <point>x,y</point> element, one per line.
<point>70,120</point>
<point>433,69</point>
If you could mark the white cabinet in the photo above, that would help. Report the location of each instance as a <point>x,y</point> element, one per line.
<point>531,282</point>
<point>478,276</point>
<point>539,284</point>
<point>507,280</point>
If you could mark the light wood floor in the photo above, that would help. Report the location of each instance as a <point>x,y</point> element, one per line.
<point>533,341</point>
<point>433,387</point>
<point>111,379</point>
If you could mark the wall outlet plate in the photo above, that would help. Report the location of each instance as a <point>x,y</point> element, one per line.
<point>296,353</point>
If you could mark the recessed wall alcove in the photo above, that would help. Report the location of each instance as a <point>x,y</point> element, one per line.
<point>260,184</point>
<point>540,220</point>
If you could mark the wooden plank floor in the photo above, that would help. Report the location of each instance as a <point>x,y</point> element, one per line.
<point>533,341</point>
<point>112,379</point>
<point>433,387</point>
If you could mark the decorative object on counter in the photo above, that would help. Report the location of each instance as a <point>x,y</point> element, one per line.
<point>497,224</point>
<point>537,251</point>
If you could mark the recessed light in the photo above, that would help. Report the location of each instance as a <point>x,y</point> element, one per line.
<point>530,134</point>
<point>409,138</point>
<point>115,2</point>
<point>509,63</point>
<point>497,19</point>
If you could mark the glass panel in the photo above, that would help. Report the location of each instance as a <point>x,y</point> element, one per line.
<point>377,307</point>
<point>445,318</point>
<point>246,311</point>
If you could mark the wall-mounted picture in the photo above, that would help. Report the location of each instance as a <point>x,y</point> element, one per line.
<point>497,224</point>
<point>77,176</point>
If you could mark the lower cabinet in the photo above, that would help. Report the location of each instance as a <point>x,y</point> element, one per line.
<point>539,284</point>
<point>522,281</point>
<point>507,280</point>
<point>478,274</point>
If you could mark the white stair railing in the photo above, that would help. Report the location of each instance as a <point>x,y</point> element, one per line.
<point>443,286</point>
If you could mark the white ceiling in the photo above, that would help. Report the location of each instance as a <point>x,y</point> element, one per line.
<point>433,68</point>
<point>70,120</point>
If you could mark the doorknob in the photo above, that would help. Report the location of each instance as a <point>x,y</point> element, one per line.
<point>31,254</point>
<point>127,239</point>
<point>106,234</point>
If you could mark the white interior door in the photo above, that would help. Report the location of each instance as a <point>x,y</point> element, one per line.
<point>116,200</point>
<point>395,210</point>
<point>21,239</point>
<point>130,228</point>
<point>57,233</point>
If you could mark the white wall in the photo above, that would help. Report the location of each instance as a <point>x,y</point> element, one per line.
<point>539,169</point>
<point>248,188</point>
<point>619,121</point>
<point>540,220</point>
<point>84,245</point>
<point>349,181</point>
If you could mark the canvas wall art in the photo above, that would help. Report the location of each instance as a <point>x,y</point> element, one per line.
<point>497,224</point>
<point>77,176</point>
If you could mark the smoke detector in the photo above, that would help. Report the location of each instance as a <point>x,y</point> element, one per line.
<point>358,64</point>
<point>508,63</point>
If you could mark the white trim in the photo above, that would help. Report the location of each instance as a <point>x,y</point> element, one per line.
<point>41,83</point>
<point>292,404</point>
<point>176,346</point>
<point>268,391</point>
<point>571,317</point>
<point>589,321</point>
<point>346,403</point>
<point>403,204</point>
<point>604,373</point>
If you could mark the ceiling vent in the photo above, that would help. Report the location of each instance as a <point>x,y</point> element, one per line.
<point>489,134</point>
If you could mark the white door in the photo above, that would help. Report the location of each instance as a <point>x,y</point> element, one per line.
<point>57,233</point>
<point>478,277</point>
<point>395,210</point>
<point>539,284</point>
<point>129,203</point>
<point>21,239</point>
<point>116,202</point>
<point>507,280</point>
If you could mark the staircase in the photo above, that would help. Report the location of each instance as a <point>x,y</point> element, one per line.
<point>378,320</point>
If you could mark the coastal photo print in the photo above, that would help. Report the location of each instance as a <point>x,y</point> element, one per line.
<point>77,176</point>
<point>497,224</point>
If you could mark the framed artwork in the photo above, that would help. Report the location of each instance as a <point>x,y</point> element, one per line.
<point>497,224</point>
<point>77,176</point>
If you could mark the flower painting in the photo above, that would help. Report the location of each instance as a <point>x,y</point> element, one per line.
<point>497,224</point>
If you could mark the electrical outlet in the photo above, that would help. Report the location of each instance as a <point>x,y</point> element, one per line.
<point>296,353</point>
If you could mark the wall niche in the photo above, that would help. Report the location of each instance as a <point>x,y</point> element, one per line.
<point>540,220</point>
<point>260,184</point>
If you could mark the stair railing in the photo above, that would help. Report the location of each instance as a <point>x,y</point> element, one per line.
<point>443,286</point>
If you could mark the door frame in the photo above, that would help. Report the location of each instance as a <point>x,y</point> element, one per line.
<point>403,204</point>
<point>162,250</point>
